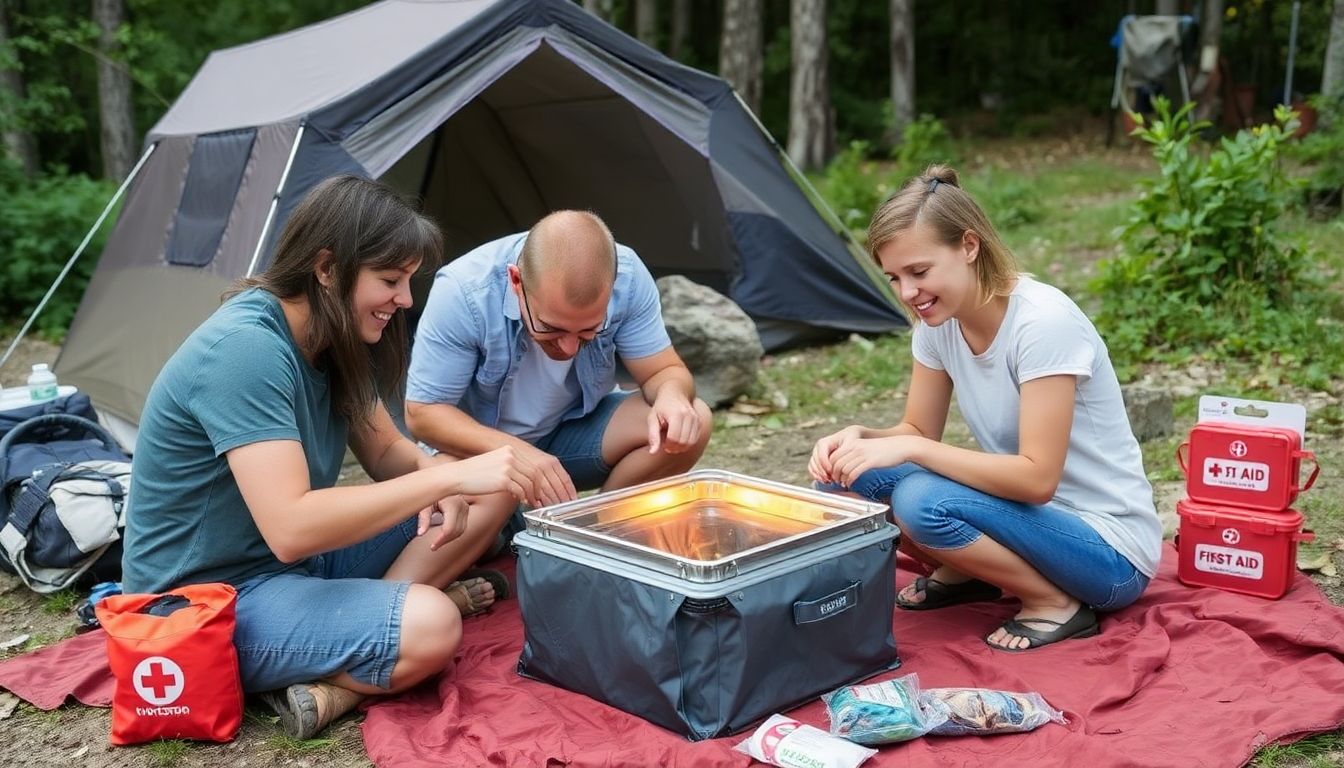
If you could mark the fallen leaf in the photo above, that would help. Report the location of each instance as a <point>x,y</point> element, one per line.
<point>810,423</point>
<point>779,400</point>
<point>737,420</point>
<point>1329,569</point>
<point>749,408</point>
<point>1318,563</point>
<point>8,702</point>
<point>13,642</point>
<point>78,753</point>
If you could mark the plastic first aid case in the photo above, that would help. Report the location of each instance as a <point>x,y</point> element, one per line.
<point>1239,550</point>
<point>1243,466</point>
<point>705,602</point>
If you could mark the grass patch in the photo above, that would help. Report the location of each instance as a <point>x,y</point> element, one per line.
<point>1320,751</point>
<point>166,752</point>
<point>62,602</point>
<point>836,380</point>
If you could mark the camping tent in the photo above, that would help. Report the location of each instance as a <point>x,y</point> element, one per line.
<point>493,112</point>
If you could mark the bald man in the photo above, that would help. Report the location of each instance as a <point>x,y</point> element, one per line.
<point>517,346</point>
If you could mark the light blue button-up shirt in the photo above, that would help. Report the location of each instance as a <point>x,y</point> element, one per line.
<point>471,336</point>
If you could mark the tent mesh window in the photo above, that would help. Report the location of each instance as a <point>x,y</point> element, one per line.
<point>217,164</point>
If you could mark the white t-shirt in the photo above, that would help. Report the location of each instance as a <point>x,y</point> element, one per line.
<point>538,395</point>
<point>1045,334</point>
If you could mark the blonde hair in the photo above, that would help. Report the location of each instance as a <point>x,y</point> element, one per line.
<point>936,200</point>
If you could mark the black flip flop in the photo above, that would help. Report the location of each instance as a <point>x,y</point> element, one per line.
<point>939,594</point>
<point>1082,623</point>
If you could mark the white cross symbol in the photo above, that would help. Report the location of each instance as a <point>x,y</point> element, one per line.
<point>1238,448</point>
<point>1231,536</point>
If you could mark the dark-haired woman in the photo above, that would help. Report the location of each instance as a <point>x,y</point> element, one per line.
<point>241,444</point>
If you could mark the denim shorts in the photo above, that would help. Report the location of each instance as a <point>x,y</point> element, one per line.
<point>577,443</point>
<point>937,513</point>
<point>332,613</point>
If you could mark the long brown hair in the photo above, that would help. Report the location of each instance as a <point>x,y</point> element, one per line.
<point>363,224</point>
<point>948,212</point>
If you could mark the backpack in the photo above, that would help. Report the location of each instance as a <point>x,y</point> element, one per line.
<point>63,487</point>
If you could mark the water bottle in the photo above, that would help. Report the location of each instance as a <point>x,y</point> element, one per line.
<point>41,383</point>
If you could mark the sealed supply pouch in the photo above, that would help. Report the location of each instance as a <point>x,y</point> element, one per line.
<point>790,744</point>
<point>982,712</point>
<point>175,664</point>
<point>880,713</point>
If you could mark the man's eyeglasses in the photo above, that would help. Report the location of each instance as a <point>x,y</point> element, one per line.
<point>548,332</point>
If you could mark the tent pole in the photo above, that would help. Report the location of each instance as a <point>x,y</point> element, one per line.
<point>78,251</point>
<point>275,200</point>
<point>821,205</point>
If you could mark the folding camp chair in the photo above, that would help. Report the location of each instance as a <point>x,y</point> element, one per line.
<point>1148,49</point>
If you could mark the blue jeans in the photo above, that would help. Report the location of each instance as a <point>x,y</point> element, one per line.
<point>937,513</point>
<point>577,443</point>
<point>333,613</point>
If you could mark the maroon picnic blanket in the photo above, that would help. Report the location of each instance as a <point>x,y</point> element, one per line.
<point>1184,677</point>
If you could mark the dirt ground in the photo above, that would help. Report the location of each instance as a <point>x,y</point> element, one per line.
<point>75,735</point>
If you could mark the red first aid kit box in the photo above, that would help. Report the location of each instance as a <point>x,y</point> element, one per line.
<point>1239,550</point>
<point>1244,466</point>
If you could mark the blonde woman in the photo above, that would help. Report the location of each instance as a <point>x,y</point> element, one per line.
<point>1054,507</point>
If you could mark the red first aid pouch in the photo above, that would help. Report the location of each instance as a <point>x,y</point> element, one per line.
<point>175,664</point>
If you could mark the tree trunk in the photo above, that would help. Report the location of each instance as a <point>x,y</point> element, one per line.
<point>681,28</point>
<point>902,66</point>
<point>646,22</point>
<point>1168,7</point>
<point>114,92</point>
<point>18,142</point>
<point>1204,89</point>
<point>811,122</point>
<point>740,50</point>
<point>1332,79</point>
<point>599,8</point>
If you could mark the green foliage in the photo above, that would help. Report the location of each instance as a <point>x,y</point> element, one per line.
<point>1009,200</point>
<point>41,223</point>
<point>1206,268</point>
<point>1322,151</point>
<point>854,185</point>
<point>924,142</point>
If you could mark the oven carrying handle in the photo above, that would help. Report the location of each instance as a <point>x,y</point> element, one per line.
<point>811,611</point>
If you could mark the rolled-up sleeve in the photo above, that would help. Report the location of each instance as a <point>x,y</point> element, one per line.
<point>447,346</point>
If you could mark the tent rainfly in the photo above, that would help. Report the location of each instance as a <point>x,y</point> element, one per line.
<point>493,113</point>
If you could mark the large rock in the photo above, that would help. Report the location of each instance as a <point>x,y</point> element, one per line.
<point>713,335</point>
<point>1150,410</point>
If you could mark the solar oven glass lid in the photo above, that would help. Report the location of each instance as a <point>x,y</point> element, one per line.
<point>706,516</point>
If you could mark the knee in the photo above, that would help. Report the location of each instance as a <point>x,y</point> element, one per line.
<point>431,630</point>
<point>914,503</point>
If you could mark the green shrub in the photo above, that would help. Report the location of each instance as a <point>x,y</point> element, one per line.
<point>1322,151</point>
<point>854,185</point>
<point>42,221</point>
<point>923,143</point>
<point>1206,268</point>
<point>1008,201</point>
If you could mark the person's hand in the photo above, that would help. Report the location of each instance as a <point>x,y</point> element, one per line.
<point>858,456</point>
<point>552,482</point>
<point>501,470</point>
<point>449,514</point>
<point>674,426</point>
<point>819,466</point>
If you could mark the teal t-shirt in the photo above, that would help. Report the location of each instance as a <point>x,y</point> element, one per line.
<point>238,379</point>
